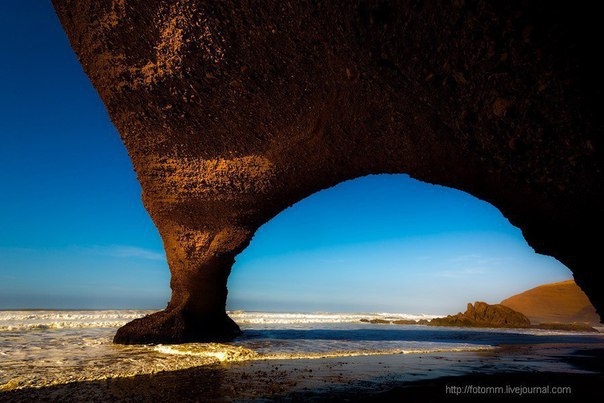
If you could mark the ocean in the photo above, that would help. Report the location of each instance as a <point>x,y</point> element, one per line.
<point>42,347</point>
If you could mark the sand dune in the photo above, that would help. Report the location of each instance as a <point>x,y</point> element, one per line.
<point>562,302</point>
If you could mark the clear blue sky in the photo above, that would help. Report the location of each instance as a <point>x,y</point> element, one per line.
<point>74,234</point>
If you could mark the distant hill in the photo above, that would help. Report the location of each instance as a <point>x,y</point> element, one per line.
<point>562,302</point>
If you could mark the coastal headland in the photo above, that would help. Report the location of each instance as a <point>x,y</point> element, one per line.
<point>556,306</point>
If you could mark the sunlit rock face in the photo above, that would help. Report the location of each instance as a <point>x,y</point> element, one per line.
<point>481,314</point>
<point>233,111</point>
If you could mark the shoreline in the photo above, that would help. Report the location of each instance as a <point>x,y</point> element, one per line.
<point>207,385</point>
<point>453,376</point>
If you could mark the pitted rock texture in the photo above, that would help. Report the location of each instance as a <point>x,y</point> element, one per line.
<point>481,314</point>
<point>232,111</point>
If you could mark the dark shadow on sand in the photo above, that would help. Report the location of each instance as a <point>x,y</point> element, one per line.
<point>204,385</point>
<point>219,383</point>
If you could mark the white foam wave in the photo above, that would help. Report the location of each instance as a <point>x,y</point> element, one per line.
<point>48,320</point>
<point>229,353</point>
<point>337,354</point>
<point>213,351</point>
<point>251,318</point>
<point>11,321</point>
<point>60,325</point>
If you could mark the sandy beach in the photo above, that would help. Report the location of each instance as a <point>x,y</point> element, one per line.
<point>506,374</point>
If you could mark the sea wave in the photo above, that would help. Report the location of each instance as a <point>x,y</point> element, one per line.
<point>284,318</point>
<point>45,320</point>
<point>34,354</point>
<point>216,352</point>
<point>355,353</point>
<point>212,351</point>
<point>11,321</point>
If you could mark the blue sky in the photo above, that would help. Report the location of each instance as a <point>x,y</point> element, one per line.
<point>74,234</point>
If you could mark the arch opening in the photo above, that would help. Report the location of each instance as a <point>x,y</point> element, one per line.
<point>386,243</point>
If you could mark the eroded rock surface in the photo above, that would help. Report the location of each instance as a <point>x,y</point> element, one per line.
<point>232,111</point>
<point>481,314</point>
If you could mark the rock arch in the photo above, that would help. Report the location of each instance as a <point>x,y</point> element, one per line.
<point>231,112</point>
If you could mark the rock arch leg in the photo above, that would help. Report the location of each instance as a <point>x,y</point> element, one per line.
<point>200,265</point>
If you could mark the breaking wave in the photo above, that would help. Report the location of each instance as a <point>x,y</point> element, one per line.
<point>47,320</point>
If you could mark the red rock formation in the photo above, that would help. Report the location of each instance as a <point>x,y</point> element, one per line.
<point>233,111</point>
<point>482,314</point>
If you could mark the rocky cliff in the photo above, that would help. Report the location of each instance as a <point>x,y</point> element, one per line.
<point>232,111</point>
<point>561,302</point>
<point>482,314</point>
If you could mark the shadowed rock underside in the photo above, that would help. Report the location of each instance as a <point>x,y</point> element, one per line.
<point>232,111</point>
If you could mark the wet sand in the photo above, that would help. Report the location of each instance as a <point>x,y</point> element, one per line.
<point>505,374</point>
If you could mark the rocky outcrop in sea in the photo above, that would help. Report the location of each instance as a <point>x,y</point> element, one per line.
<point>481,314</point>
